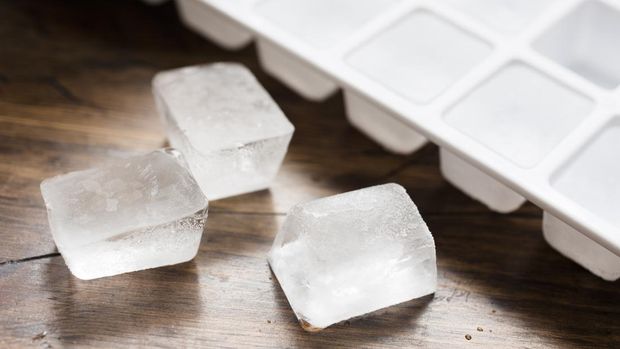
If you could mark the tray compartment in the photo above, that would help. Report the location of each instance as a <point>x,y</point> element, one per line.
<point>520,113</point>
<point>587,41</point>
<point>579,248</point>
<point>293,72</point>
<point>212,24</point>
<point>321,23</point>
<point>478,184</point>
<point>380,125</point>
<point>505,16</point>
<point>592,177</point>
<point>420,56</point>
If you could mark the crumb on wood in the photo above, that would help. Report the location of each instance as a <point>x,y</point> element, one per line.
<point>268,321</point>
<point>479,329</point>
<point>468,337</point>
<point>39,336</point>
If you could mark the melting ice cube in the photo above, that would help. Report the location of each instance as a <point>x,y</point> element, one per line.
<point>351,254</point>
<point>231,132</point>
<point>142,212</point>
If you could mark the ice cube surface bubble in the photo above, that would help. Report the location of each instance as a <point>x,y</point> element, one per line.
<point>354,253</point>
<point>137,213</point>
<point>230,130</point>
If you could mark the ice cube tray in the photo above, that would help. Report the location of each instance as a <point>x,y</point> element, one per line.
<point>522,96</point>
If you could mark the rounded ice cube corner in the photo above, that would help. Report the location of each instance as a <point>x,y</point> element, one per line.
<point>352,254</point>
<point>136,213</point>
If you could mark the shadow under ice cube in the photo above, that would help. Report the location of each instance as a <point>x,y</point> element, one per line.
<point>232,133</point>
<point>138,213</point>
<point>352,254</point>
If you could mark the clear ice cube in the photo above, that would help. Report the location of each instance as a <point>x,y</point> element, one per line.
<point>137,213</point>
<point>354,253</point>
<point>230,130</point>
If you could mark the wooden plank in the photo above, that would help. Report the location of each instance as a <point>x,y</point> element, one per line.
<point>227,297</point>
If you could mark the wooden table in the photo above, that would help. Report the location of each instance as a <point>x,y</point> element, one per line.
<point>75,91</point>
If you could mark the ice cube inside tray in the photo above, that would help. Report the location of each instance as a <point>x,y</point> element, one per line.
<point>231,132</point>
<point>351,254</point>
<point>137,213</point>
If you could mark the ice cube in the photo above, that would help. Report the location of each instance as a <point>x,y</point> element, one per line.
<point>354,253</point>
<point>578,247</point>
<point>137,213</point>
<point>231,132</point>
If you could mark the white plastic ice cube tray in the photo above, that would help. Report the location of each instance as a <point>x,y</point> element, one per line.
<point>524,90</point>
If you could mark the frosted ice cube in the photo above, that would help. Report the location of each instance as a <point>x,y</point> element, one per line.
<point>578,247</point>
<point>351,254</point>
<point>142,212</point>
<point>231,132</point>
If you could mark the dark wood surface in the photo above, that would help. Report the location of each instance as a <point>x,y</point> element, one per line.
<point>75,91</point>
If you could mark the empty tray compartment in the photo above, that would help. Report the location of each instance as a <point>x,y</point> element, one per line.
<point>591,179</point>
<point>213,24</point>
<point>321,23</point>
<point>587,41</point>
<point>380,125</point>
<point>504,16</point>
<point>520,113</point>
<point>420,56</point>
<point>478,184</point>
<point>294,72</point>
<point>579,248</point>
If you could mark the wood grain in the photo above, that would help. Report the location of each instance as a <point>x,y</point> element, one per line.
<point>75,91</point>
